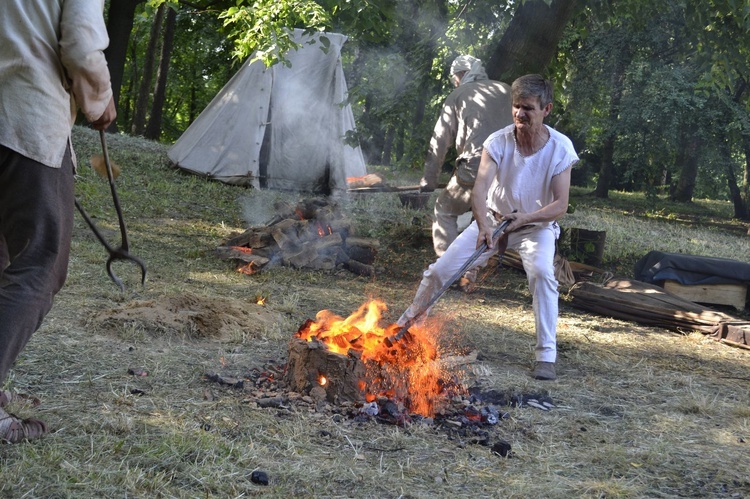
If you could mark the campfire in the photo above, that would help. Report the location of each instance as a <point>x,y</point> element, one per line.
<point>345,367</point>
<point>348,359</point>
<point>311,234</point>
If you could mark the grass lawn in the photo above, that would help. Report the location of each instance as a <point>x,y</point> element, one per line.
<point>639,411</point>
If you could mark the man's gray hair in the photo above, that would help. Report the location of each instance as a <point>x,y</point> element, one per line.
<point>532,85</point>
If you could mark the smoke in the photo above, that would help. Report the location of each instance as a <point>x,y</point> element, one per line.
<point>258,206</point>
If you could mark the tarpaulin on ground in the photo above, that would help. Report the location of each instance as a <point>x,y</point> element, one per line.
<point>657,266</point>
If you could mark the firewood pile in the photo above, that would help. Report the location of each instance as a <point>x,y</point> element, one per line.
<point>647,304</point>
<point>311,234</point>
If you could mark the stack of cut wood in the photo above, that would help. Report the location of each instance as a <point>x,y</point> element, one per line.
<point>646,304</point>
<point>311,234</point>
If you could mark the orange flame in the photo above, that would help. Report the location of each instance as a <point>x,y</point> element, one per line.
<point>407,369</point>
<point>248,269</point>
<point>242,249</point>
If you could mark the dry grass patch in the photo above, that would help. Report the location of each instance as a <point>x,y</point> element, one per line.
<point>641,412</point>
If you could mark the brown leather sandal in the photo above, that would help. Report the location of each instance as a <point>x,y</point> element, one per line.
<point>14,430</point>
<point>6,397</point>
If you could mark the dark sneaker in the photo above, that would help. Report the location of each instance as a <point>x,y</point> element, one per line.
<point>545,371</point>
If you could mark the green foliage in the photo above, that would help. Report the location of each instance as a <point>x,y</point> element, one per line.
<point>684,67</point>
<point>671,91</point>
<point>263,27</point>
<point>196,74</point>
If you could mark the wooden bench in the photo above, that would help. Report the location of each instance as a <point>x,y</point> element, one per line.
<point>715,294</point>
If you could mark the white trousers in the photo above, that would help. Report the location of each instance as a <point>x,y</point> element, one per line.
<point>536,247</point>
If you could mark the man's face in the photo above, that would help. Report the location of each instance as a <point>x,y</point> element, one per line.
<point>528,113</point>
<point>456,78</point>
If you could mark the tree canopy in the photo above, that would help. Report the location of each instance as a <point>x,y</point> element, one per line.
<point>654,95</point>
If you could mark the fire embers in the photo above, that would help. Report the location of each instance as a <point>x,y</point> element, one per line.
<point>351,355</point>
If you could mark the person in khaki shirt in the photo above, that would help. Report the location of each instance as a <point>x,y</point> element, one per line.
<point>476,108</point>
<point>51,64</point>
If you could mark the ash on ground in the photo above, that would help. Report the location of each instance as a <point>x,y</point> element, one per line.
<point>469,417</point>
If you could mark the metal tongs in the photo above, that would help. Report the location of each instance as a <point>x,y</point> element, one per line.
<point>121,252</point>
<point>389,341</point>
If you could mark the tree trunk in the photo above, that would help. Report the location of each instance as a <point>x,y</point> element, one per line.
<point>153,130</point>
<point>401,139</point>
<point>688,155</point>
<point>746,174</point>
<point>607,167</point>
<point>740,206</point>
<point>388,146</point>
<point>530,42</point>
<point>739,194</point>
<point>144,90</point>
<point>120,17</point>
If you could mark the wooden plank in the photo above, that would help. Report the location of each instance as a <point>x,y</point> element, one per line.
<point>720,294</point>
<point>645,303</point>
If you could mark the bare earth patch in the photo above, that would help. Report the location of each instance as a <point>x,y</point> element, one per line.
<point>189,315</point>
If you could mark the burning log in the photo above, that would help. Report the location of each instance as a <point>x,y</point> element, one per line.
<point>359,268</point>
<point>311,364</point>
<point>311,234</point>
<point>240,253</point>
<point>348,359</point>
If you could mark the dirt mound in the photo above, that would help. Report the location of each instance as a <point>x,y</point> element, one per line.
<point>190,315</point>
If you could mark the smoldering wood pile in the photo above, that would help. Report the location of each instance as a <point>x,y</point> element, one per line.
<point>311,234</point>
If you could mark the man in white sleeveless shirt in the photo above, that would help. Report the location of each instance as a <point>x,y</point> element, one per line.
<point>523,177</point>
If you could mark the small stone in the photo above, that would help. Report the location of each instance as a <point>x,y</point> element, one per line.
<point>318,393</point>
<point>270,402</point>
<point>259,477</point>
<point>370,408</point>
<point>502,448</point>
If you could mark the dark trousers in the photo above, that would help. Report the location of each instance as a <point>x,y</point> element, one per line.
<point>36,221</point>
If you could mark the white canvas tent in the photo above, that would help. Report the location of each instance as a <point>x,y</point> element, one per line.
<point>280,127</point>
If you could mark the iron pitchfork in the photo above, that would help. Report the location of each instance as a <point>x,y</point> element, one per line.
<point>121,252</point>
<point>389,341</point>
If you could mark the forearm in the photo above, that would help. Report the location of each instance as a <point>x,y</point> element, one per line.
<point>558,207</point>
<point>443,137</point>
<point>432,167</point>
<point>480,191</point>
<point>82,43</point>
